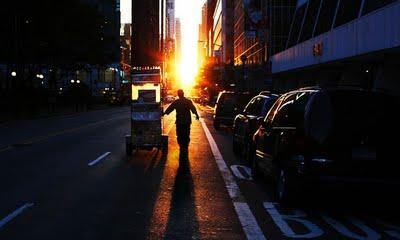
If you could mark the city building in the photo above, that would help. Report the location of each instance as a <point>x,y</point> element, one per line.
<point>210,9</point>
<point>202,43</point>
<point>178,40</point>
<point>126,43</point>
<point>147,33</point>
<point>110,29</point>
<point>170,19</point>
<point>261,28</point>
<point>334,42</point>
<point>222,43</point>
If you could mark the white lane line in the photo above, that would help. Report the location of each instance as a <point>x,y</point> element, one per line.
<point>99,159</point>
<point>246,217</point>
<point>14,214</point>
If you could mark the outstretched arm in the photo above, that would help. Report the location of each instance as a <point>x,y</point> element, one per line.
<point>194,110</point>
<point>169,109</point>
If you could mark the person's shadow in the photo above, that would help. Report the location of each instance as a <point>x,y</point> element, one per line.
<point>182,219</point>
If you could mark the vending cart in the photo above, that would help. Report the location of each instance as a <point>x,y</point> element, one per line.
<point>146,111</point>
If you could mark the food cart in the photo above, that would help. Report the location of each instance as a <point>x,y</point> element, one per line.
<point>146,111</point>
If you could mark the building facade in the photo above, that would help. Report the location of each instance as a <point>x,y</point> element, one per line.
<point>222,44</point>
<point>260,29</point>
<point>178,40</point>
<point>147,36</point>
<point>335,42</point>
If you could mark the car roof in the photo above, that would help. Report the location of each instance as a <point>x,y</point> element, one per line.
<point>331,89</point>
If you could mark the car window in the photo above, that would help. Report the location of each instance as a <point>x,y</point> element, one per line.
<point>272,112</point>
<point>255,106</point>
<point>291,111</point>
<point>267,105</point>
<point>250,106</point>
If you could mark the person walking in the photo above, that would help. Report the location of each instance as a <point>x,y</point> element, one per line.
<point>183,108</point>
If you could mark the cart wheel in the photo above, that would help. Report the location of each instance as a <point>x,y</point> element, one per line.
<point>128,145</point>
<point>164,144</point>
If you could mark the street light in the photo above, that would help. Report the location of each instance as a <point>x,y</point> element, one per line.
<point>14,73</point>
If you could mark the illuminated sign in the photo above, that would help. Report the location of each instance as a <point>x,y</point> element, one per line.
<point>317,49</point>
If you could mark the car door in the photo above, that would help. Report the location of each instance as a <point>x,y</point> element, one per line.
<point>263,138</point>
<point>240,121</point>
<point>253,116</point>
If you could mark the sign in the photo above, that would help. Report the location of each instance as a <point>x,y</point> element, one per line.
<point>317,49</point>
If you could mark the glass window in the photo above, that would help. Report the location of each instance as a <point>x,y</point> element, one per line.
<point>348,10</point>
<point>255,106</point>
<point>296,27</point>
<point>311,18</point>
<point>250,107</point>
<point>281,14</point>
<point>326,16</point>
<point>371,5</point>
<point>268,103</point>
<point>274,110</point>
<point>291,112</point>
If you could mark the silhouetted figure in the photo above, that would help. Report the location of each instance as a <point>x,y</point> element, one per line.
<point>183,107</point>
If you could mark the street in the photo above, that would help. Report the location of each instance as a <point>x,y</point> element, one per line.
<point>68,177</point>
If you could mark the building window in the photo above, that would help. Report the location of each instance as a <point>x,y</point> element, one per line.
<point>371,5</point>
<point>326,16</point>
<point>296,27</point>
<point>348,10</point>
<point>311,19</point>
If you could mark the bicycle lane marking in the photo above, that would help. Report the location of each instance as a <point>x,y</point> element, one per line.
<point>249,223</point>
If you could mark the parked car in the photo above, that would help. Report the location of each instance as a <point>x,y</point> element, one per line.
<point>317,135</point>
<point>247,122</point>
<point>228,105</point>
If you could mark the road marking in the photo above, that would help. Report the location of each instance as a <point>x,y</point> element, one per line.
<point>236,171</point>
<point>246,217</point>
<point>99,159</point>
<point>282,221</point>
<point>14,214</point>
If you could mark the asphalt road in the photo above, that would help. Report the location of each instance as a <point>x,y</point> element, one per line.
<point>69,178</point>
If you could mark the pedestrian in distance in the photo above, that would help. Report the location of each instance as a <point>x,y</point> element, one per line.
<point>183,108</point>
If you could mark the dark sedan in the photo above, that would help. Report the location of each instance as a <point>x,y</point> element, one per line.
<point>247,122</point>
<point>321,135</point>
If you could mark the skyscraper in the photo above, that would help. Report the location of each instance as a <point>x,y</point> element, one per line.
<point>178,41</point>
<point>146,33</point>
<point>170,19</point>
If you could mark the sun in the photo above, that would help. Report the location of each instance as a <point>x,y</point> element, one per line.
<point>189,13</point>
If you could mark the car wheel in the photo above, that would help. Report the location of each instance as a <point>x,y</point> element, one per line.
<point>285,185</point>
